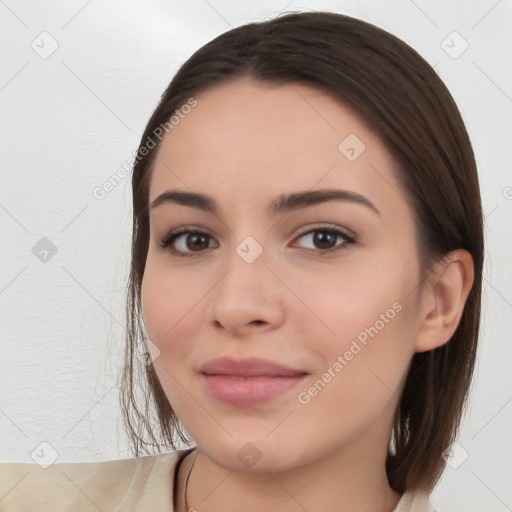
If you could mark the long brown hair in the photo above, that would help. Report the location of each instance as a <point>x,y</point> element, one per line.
<point>391,86</point>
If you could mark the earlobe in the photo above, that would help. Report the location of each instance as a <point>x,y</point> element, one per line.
<point>445,292</point>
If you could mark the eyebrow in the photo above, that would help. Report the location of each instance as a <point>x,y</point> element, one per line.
<point>283,203</point>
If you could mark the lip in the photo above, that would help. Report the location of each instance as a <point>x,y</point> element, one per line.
<point>248,381</point>
<point>248,367</point>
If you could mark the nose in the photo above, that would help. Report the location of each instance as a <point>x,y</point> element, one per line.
<point>248,297</point>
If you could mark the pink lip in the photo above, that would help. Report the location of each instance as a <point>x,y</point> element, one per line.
<point>248,381</point>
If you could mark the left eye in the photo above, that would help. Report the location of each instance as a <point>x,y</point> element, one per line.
<point>324,240</point>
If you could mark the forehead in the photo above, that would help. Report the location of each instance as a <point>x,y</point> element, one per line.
<point>253,138</point>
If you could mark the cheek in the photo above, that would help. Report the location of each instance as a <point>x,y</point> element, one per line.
<point>360,379</point>
<point>168,301</point>
<point>372,315</point>
<point>350,303</point>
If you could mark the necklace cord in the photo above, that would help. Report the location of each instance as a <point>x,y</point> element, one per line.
<point>186,481</point>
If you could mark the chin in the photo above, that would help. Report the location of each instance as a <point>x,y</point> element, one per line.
<point>242,455</point>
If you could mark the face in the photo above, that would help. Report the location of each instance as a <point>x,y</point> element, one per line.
<point>325,286</point>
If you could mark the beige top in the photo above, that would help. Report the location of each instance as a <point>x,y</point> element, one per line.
<point>141,484</point>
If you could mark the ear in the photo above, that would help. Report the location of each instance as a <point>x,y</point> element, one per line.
<point>444,295</point>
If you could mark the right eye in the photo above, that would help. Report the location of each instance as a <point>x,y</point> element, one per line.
<point>186,242</point>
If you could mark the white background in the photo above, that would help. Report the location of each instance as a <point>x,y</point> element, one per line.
<point>70,120</point>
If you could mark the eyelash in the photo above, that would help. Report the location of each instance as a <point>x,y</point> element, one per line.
<point>170,238</point>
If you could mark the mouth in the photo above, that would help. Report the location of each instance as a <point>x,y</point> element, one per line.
<point>248,381</point>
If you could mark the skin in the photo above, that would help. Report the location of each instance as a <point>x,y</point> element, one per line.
<point>244,144</point>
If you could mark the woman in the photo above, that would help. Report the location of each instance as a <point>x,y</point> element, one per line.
<point>304,294</point>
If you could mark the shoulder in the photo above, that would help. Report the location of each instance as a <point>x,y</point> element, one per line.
<point>113,485</point>
<point>414,501</point>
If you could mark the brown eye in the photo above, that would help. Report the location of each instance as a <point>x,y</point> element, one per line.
<point>326,240</point>
<point>196,241</point>
<point>184,243</point>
